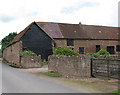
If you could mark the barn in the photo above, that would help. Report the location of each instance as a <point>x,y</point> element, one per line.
<point>43,37</point>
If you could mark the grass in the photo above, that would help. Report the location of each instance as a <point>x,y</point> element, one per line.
<point>43,63</point>
<point>116,92</point>
<point>94,86</point>
<point>50,74</point>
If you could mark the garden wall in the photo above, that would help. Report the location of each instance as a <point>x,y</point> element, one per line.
<point>73,66</point>
<point>70,66</point>
<point>31,61</point>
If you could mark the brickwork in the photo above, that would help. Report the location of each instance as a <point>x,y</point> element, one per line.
<point>89,45</point>
<point>11,53</point>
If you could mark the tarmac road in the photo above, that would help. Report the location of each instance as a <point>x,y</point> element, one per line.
<point>18,81</point>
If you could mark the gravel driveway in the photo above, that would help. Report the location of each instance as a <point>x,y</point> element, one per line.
<point>37,70</point>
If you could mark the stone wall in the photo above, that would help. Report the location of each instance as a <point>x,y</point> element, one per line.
<point>70,66</point>
<point>11,53</point>
<point>79,66</point>
<point>31,62</point>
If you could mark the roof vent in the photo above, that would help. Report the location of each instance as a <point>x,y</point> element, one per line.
<point>100,31</point>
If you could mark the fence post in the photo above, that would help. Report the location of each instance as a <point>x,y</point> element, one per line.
<point>91,64</point>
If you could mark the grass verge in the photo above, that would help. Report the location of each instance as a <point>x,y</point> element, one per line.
<point>50,74</point>
<point>94,86</point>
<point>116,92</point>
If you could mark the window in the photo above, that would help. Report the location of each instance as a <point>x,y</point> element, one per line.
<point>81,50</point>
<point>118,48</point>
<point>110,49</point>
<point>70,42</point>
<point>25,48</point>
<point>97,48</point>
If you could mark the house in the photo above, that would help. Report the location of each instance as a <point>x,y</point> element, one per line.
<point>43,37</point>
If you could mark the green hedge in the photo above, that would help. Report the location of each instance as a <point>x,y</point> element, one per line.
<point>94,54</point>
<point>27,53</point>
<point>65,51</point>
<point>101,52</point>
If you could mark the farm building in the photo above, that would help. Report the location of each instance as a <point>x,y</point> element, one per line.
<point>43,37</point>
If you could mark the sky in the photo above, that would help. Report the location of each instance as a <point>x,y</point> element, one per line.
<point>15,15</point>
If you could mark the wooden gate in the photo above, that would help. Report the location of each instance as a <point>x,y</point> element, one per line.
<point>105,67</point>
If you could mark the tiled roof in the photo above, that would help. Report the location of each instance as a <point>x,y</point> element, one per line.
<point>101,32</point>
<point>73,31</point>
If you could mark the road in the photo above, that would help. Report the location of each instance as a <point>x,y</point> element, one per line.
<point>18,81</point>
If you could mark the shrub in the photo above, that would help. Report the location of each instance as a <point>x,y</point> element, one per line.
<point>94,54</point>
<point>27,53</point>
<point>65,51</point>
<point>103,52</point>
<point>90,54</point>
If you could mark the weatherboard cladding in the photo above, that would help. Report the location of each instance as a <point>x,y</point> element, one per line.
<point>18,36</point>
<point>73,31</point>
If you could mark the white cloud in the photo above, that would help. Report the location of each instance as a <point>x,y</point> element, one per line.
<point>20,13</point>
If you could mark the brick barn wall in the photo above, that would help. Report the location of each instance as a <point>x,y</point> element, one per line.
<point>59,43</point>
<point>89,45</point>
<point>11,53</point>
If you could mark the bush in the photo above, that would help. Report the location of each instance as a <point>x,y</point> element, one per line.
<point>27,53</point>
<point>103,52</point>
<point>94,54</point>
<point>65,51</point>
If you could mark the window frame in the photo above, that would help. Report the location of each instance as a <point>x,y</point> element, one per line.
<point>110,51</point>
<point>83,50</point>
<point>70,42</point>
<point>117,48</point>
<point>98,47</point>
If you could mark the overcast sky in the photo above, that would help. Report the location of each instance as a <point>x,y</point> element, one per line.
<point>15,15</point>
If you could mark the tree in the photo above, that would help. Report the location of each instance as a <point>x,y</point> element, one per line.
<point>6,40</point>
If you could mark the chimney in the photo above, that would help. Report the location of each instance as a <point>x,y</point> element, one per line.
<point>80,24</point>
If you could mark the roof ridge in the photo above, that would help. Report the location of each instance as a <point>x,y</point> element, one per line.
<point>101,26</point>
<point>58,23</point>
<point>19,35</point>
